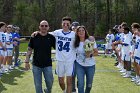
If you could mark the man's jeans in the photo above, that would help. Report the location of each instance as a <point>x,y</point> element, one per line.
<point>81,71</point>
<point>48,76</point>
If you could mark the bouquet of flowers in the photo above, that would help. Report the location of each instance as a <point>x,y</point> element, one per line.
<point>88,47</point>
<point>107,39</point>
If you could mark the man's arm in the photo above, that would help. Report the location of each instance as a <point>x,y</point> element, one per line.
<point>28,55</point>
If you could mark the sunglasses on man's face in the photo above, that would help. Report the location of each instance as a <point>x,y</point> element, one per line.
<point>44,25</point>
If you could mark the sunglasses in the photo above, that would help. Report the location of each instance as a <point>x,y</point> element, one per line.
<point>44,25</point>
<point>66,24</point>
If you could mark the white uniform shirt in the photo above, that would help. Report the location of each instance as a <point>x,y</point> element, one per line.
<point>81,59</point>
<point>9,39</point>
<point>126,47</point>
<point>110,38</point>
<point>137,47</point>
<point>2,39</point>
<point>65,50</point>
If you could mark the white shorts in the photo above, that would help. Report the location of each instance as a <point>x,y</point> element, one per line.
<point>9,53</point>
<point>64,68</point>
<point>108,46</point>
<point>125,57</point>
<point>2,53</point>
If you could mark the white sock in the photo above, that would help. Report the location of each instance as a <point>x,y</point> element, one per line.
<point>137,77</point>
<point>4,67</point>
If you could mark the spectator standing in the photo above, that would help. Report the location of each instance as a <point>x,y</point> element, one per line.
<point>85,62</point>
<point>41,44</point>
<point>16,43</point>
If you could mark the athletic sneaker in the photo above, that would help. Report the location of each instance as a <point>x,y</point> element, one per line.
<point>127,76</point>
<point>123,74</point>
<point>123,70</point>
<point>11,68</point>
<point>138,83</point>
<point>6,70</point>
<point>133,79</point>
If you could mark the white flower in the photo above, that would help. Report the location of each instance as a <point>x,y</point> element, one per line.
<point>88,46</point>
<point>107,39</point>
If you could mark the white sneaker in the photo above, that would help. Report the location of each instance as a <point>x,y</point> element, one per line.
<point>133,79</point>
<point>1,71</point>
<point>123,71</point>
<point>6,70</point>
<point>118,66</point>
<point>11,68</point>
<point>123,74</point>
<point>138,83</point>
<point>127,76</point>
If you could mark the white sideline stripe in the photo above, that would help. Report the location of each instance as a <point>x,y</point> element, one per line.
<point>53,52</point>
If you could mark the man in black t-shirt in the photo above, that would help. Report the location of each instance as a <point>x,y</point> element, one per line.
<point>41,45</point>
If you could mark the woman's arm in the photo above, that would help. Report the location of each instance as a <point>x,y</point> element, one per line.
<point>95,52</point>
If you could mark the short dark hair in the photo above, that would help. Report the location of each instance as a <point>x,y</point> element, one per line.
<point>66,18</point>
<point>2,24</point>
<point>127,29</point>
<point>135,25</point>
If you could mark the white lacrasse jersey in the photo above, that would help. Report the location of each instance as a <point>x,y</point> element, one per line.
<point>65,50</point>
<point>126,48</point>
<point>2,38</point>
<point>121,35</point>
<point>9,39</point>
<point>137,47</point>
<point>110,38</point>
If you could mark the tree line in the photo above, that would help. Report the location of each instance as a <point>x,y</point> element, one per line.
<point>97,15</point>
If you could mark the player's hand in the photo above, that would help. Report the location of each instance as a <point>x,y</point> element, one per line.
<point>34,33</point>
<point>27,66</point>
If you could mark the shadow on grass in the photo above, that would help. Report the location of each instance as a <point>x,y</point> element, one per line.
<point>2,87</point>
<point>12,76</point>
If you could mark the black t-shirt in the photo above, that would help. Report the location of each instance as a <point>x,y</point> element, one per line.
<point>42,46</point>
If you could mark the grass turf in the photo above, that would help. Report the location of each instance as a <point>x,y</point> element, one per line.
<point>107,79</point>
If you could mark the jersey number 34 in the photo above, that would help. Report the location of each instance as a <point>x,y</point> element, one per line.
<point>63,46</point>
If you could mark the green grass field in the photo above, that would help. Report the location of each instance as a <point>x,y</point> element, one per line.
<point>107,80</point>
<point>23,46</point>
